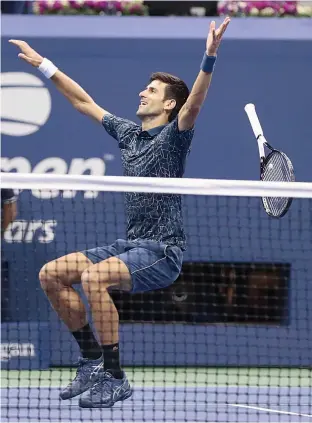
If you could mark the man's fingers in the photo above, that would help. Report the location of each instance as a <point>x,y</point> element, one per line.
<point>221,30</point>
<point>16,42</point>
<point>225,24</point>
<point>24,57</point>
<point>19,43</point>
<point>214,35</point>
<point>212,30</point>
<point>223,27</point>
<point>226,21</point>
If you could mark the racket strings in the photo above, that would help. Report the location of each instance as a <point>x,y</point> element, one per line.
<point>277,168</point>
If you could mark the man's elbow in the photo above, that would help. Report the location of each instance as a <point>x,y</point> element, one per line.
<point>82,107</point>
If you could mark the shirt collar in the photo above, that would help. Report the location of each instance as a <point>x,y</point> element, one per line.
<point>155,131</point>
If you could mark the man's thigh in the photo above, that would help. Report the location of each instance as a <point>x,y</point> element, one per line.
<point>68,268</point>
<point>106,268</point>
<point>110,274</point>
<point>134,266</point>
<point>99,254</point>
<point>152,269</point>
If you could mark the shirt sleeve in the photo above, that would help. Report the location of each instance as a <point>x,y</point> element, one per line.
<point>118,127</point>
<point>183,138</point>
<point>7,196</point>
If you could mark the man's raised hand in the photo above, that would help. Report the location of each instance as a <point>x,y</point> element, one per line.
<point>27,53</point>
<point>215,36</point>
<point>75,94</point>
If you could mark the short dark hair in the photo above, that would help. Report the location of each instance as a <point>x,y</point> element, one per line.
<point>176,89</point>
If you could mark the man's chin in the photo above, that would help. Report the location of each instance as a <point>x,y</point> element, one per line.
<point>140,114</point>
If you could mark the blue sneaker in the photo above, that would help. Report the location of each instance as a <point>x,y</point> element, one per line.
<point>82,381</point>
<point>105,391</point>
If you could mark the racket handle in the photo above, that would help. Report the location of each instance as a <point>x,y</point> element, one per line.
<point>253,119</point>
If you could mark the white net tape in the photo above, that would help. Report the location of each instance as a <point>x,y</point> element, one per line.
<point>194,186</point>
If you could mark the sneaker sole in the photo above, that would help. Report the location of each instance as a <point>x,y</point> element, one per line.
<point>73,396</point>
<point>110,405</point>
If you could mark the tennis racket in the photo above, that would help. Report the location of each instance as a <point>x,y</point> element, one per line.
<point>275,166</point>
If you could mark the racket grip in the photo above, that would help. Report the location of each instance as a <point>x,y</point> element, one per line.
<point>253,119</point>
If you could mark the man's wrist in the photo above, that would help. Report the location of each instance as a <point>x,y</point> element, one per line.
<point>47,68</point>
<point>211,53</point>
<point>208,63</point>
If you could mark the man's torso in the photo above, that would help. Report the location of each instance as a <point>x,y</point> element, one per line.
<point>160,152</point>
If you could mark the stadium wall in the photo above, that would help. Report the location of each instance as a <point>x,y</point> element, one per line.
<point>264,61</point>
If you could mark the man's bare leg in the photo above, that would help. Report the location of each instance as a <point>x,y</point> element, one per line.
<point>57,278</point>
<point>96,281</point>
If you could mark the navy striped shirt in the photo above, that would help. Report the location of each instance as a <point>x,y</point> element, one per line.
<point>159,152</point>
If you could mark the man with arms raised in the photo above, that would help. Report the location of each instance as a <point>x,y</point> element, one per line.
<point>151,256</point>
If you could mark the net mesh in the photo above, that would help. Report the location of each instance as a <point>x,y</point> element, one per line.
<point>229,341</point>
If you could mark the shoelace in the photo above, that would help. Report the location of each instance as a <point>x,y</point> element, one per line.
<point>82,369</point>
<point>102,379</point>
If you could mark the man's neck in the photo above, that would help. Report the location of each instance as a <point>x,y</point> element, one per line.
<point>153,122</point>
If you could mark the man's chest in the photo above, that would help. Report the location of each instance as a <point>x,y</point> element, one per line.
<point>152,157</point>
<point>142,156</point>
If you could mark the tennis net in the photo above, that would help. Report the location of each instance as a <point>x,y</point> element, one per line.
<point>229,341</point>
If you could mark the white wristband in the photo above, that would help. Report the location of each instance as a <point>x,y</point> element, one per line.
<point>47,68</point>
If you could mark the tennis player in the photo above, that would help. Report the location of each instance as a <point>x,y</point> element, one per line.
<point>8,215</point>
<point>151,256</point>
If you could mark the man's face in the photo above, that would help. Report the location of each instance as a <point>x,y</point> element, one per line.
<point>153,101</point>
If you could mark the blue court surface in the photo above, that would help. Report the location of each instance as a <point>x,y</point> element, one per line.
<point>165,404</point>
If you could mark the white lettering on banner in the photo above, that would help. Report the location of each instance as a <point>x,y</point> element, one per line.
<point>78,166</point>
<point>42,231</point>
<point>10,350</point>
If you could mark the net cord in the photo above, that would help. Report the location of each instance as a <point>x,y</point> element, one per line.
<point>191,186</point>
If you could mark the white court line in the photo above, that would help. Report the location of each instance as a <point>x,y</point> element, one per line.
<point>164,387</point>
<point>131,421</point>
<point>271,410</point>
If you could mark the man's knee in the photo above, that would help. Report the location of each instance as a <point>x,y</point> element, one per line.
<point>47,276</point>
<point>51,276</point>
<point>105,275</point>
<point>66,270</point>
<point>93,280</point>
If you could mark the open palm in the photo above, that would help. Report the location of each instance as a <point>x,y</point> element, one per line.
<point>215,36</point>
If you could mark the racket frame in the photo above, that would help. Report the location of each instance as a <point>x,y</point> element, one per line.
<point>262,143</point>
<point>263,163</point>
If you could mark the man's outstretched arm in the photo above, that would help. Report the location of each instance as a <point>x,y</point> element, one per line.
<point>191,108</point>
<point>76,95</point>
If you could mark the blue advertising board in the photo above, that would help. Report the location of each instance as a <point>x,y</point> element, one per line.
<point>25,345</point>
<point>266,63</point>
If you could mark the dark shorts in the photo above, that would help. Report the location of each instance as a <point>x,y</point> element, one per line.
<point>152,265</point>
